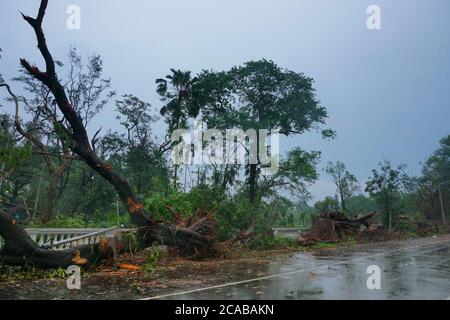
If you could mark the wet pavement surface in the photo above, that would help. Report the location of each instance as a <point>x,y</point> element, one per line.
<point>409,269</point>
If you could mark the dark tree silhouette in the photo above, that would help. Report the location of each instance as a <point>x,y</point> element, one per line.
<point>197,239</point>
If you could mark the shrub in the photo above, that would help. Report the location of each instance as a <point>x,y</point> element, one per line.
<point>152,259</point>
<point>274,242</point>
<point>59,221</point>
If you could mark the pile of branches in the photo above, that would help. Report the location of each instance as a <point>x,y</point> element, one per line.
<point>334,226</point>
<point>201,223</point>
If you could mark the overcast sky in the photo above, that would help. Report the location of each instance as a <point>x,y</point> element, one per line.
<point>386,91</point>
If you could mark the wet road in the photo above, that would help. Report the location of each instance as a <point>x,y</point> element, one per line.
<point>410,269</point>
<point>415,270</point>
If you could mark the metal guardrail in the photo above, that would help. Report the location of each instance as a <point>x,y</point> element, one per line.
<point>68,237</point>
<point>287,232</point>
<point>91,237</point>
<point>63,238</point>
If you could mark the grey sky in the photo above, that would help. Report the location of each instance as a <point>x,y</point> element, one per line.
<point>386,91</point>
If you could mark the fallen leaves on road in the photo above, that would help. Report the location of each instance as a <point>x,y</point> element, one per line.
<point>127,266</point>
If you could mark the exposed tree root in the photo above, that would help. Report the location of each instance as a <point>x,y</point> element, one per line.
<point>334,226</point>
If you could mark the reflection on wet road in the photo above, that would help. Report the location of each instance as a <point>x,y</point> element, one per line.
<point>410,269</point>
<point>418,271</point>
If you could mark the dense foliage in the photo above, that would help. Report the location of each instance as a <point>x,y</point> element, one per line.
<point>43,182</point>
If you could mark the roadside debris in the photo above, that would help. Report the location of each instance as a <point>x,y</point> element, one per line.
<point>335,226</point>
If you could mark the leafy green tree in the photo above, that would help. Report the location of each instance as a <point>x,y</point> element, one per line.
<point>346,183</point>
<point>438,164</point>
<point>16,165</point>
<point>145,164</point>
<point>423,196</point>
<point>437,169</point>
<point>424,189</point>
<point>385,186</point>
<point>134,153</point>
<point>296,171</point>
<point>259,95</point>
<point>304,213</point>
<point>280,212</point>
<point>329,204</point>
<point>87,92</point>
<point>135,116</point>
<point>176,91</point>
<point>360,204</point>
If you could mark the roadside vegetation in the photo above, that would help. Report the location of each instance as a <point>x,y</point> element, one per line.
<point>59,170</point>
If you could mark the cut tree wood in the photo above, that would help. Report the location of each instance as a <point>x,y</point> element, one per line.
<point>191,241</point>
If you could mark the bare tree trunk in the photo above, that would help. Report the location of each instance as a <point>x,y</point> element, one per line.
<point>253,177</point>
<point>175,178</point>
<point>51,193</point>
<point>252,183</point>
<point>342,201</point>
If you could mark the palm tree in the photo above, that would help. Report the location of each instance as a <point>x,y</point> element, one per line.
<point>176,91</point>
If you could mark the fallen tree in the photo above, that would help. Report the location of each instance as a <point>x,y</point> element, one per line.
<point>197,239</point>
<point>334,226</point>
<point>21,250</point>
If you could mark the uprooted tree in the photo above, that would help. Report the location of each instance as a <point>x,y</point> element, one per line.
<point>334,226</point>
<point>196,239</point>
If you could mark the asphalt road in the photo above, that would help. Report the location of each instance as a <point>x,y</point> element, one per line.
<point>408,269</point>
<point>415,269</point>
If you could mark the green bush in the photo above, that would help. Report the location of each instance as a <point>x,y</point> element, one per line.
<point>152,259</point>
<point>17,274</point>
<point>275,242</point>
<point>59,221</point>
<point>231,214</point>
<point>157,202</point>
<point>111,219</point>
<point>107,220</point>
